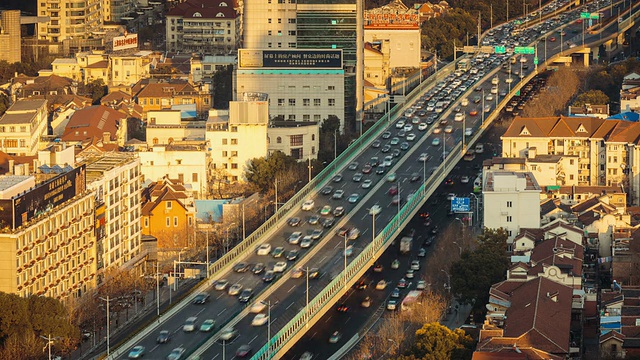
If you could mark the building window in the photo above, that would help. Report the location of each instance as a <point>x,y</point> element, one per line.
<point>509,218</point>
<point>306,102</point>
<point>168,221</point>
<point>23,143</point>
<point>155,141</point>
<point>194,177</point>
<point>292,102</point>
<point>224,141</point>
<point>269,21</point>
<point>317,117</point>
<point>296,140</point>
<point>269,32</point>
<point>234,153</point>
<point>234,165</point>
<point>313,137</point>
<point>234,129</point>
<point>509,204</point>
<point>190,220</point>
<point>279,21</point>
<point>331,88</point>
<point>279,140</point>
<point>234,141</point>
<point>146,222</point>
<point>175,221</point>
<point>316,102</point>
<point>332,102</point>
<point>169,204</point>
<point>280,102</point>
<point>306,117</point>
<point>224,154</point>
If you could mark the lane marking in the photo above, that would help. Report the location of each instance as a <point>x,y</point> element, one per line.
<point>290,305</point>
<point>255,337</point>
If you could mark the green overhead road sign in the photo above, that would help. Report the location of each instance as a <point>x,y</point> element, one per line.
<point>594,16</point>
<point>535,60</point>
<point>518,93</point>
<point>501,49</point>
<point>518,22</point>
<point>524,50</point>
<point>586,15</point>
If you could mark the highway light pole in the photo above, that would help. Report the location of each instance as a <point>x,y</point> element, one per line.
<point>268,329</point>
<point>459,247</point>
<point>227,239</point>
<point>224,348</point>
<point>461,223</point>
<point>49,342</point>
<point>344,276</point>
<point>306,308</point>
<point>482,110</point>
<point>477,219</point>
<point>276,185</point>
<point>335,144</point>
<point>448,280</point>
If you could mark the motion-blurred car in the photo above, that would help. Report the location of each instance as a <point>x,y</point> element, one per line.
<point>137,352</point>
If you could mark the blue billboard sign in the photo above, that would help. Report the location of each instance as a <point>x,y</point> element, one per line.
<point>460,204</point>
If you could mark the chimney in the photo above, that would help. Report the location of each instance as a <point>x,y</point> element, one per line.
<point>11,165</point>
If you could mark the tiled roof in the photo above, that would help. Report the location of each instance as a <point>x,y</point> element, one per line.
<point>207,9</point>
<point>165,89</point>
<point>92,122</point>
<point>574,127</point>
<point>559,252</point>
<point>160,191</point>
<point>99,65</point>
<point>540,315</point>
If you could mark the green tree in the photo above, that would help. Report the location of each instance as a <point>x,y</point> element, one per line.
<point>435,341</point>
<point>261,172</point>
<point>438,33</point>
<point>593,97</point>
<point>4,103</point>
<point>96,90</point>
<point>48,316</point>
<point>222,87</point>
<point>473,275</point>
<point>330,136</point>
<point>14,316</point>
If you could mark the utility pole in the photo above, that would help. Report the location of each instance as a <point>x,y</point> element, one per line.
<point>479,28</point>
<point>491,18</point>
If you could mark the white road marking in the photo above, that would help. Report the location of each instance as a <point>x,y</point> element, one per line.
<point>155,347</point>
<point>220,313</point>
<point>290,305</point>
<point>213,358</point>
<point>329,318</point>
<point>255,337</point>
<point>221,295</point>
<point>293,287</point>
<point>199,312</point>
<point>323,259</point>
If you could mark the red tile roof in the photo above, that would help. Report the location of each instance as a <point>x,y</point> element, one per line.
<point>93,122</point>
<point>575,127</point>
<point>207,9</point>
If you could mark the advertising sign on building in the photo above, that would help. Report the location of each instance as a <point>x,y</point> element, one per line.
<point>398,19</point>
<point>128,41</point>
<point>250,58</point>
<point>44,197</point>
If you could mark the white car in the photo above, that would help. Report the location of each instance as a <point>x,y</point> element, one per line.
<point>423,157</point>
<point>258,307</point>
<point>176,354</point>
<point>435,142</point>
<point>508,80</point>
<point>259,320</point>
<point>366,184</point>
<point>392,177</point>
<point>308,205</point>
<point>235,289</point>
<point>190,324</point>
<point>228,334</point>
<point>479,148</point>
<point>464,179</point>
<point>459,117</point>
<point>415,265</point>
<point>423,126</point>
<point>381,285</point>
<point>411,137</point>
<point>264,249</point>
<point>487,108</point>
<point>448,129</point>
<point>464,102</point>
<point>468,131</point>
<point>400,124</point>
<point>375,210</point>
<point>494,90</point>
<point>421,285</point>
<point>495,80</point>
<point>408,127</point>
<point>280,266</point>
<point>489,97</point>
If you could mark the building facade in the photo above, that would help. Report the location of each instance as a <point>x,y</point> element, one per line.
<point>204,27</point>
<point>167,127</point>
<point>48,249</point>
<point>163,95</point>
<point>114,10</point>
<point>237,136</point>
<point>69,19</point>
<point>10,36</point>
<point>514,199</point>
<point>23,126</point>
<point>115,179</point>
<point>294,138</point>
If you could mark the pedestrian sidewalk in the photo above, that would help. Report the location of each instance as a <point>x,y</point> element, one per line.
<point>458,316</point>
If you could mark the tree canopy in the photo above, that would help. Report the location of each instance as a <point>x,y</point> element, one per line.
<point>222,87</point>
<point>261,172</point>
<point>473,275</point>
<point>435,341</point>
<point>592,97</point>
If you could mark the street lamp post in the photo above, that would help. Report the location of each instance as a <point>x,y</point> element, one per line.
<point>49,340</point>
<point>448,280</point>
<point>227,240</point>
<point>459,247</point>
<point>477,218</point>
<point>306,308</point>
<point>224,348</point>
<point>344,277</point>
<point>335,144</point>
<point>108,321</point>
<point>268,329</point>
<point>461,223</point>
<point>482,110</point>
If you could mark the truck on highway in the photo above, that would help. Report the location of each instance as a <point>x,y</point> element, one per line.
<point>410,299</point>
<point>405,244</point>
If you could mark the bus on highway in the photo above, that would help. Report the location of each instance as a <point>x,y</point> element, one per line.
<point>464,64</point>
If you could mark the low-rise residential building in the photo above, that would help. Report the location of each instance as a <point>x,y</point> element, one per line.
<point>189,163</point>
<point>599,111</point>
<point>163,95</point>
<point>549,170</point>
<point>294,138</point>
<point>204,26</point>
<point>239,135</point>
<point>203,67</point>
<point>515,199</point>
<point>168,214</point>
<point>167,127</point>
<point>96,122</point>
<point>47,240</point>
<point>115,179</point>
<point>23,126</point>
<point>113,69</point>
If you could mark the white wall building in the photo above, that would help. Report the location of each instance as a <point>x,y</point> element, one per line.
<point>294,138</point>
<point>165,127</point>
<point>187,163</point>
<point>237,136</point>
<point>512,201</point>
<point>117,181</point>
<point>22,127</point>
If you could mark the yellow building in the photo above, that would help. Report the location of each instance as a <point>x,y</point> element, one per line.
<point>23,126</point>
<point>168,213</point>
<point>49,248</point>
<point>161,96</point>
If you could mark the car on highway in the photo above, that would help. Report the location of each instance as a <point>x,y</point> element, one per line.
<point>241,267</point>
<point>437,130</point>
<point>163,337</point>
<point>245,295</point>
<point>348,251</point>
<point>294,221</point>
<point>243,351</point>
<point>392,304</point>
<point>394,141</point>
<point>378,268</point>
<point>464,179</point>
<point>342,308</point>
<point>376,144</point>
<point>381,285</point>
<point>402,283</point>
<point>297,273</point>
<point>279,251</point>
<point>326,210</point>
<point>489,97</point>
<point>435,141</point>
<point>221,284</point>
<point>423,126</point>
<point>407,128</point>
<point>448,129</point>
<point>190,324</point>
<point>353,198</point>
<point>352,166</point>
<point>375,210</point>
<point>308,205</point>
<point>235,289</point>
<point>367,169</point>
<point>487,108</point>
<point>392,177</point>
<point>313,219</point>
<point>386,148</point>
<point>395,293</point>
<point>137,352</point>
<point>338,211</point>
<point>415,265</point>
<point>473,112</point>
<point>207,325</point>
<point>409,274</point>
<point>357,177</point>
<point>316,234</point>
<point>395,264</point>
<point>400,124</point>
<point>366,302</point>
<point>458,117</point>
<point>292,255</point>
<point>366,184</point>
<point>328,222</point>
<point>404,146</point>
<point>201,298</point>
<point>335,337</point>
<point>176,354</point>
<point>468,131</point>
<point>338,194</point>
<point>422,252</point>
<point>258,307</point>
<point>337,178</point>
<point>280,266</point>
<point>479,148</point>
<point>294,238</point>
<point>259,320</point>
<point>386,135</point>
<point>228,333</point>
<point>264,249</point>
<point>268,276</point>
<point>414,177</point>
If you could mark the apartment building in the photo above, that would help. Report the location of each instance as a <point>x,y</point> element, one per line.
<point>549,170</point>
<point>163,95</point>
<point>606,150</point>
<point>167,127</point>
<point>515,199</point>
<point>237,136</point>
<point>10,36</point>
<point>113,70</point>
<point>23,126</point>
<point>47,240</point>
<point>115,179</point>
<point>168,214</point>
<point>69,19</point>
<point>114,10</point>
<point>204,27</point>
<point>203,67</point>
<point>294,138</point>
